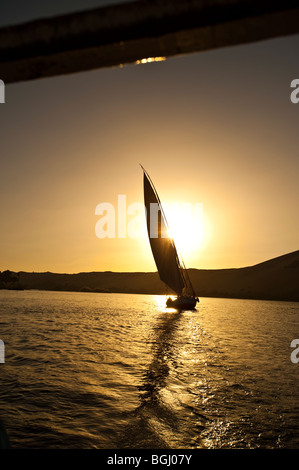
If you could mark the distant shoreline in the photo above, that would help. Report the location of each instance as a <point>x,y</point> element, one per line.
<point>141,293</point>
<point>276,279</point>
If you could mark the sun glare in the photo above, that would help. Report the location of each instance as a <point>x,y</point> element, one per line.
<point>187,226</point>
<point>150,59</point>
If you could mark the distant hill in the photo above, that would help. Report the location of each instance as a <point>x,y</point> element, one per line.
<point>276,279</point>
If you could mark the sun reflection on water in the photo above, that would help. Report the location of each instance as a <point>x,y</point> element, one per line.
<point>125,371</point>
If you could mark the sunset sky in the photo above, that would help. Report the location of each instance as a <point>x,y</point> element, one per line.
<point>216,128</point>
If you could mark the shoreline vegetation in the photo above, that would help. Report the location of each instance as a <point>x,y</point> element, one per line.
<point>276,279</point>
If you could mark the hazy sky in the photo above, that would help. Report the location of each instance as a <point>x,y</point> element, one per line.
<point>216,128</point>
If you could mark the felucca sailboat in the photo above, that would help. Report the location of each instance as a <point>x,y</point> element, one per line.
<point>170,265</point>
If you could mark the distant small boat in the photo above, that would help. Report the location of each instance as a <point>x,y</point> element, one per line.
<point>170,265</point>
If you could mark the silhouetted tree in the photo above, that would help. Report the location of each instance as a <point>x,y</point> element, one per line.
<point>9,279</point>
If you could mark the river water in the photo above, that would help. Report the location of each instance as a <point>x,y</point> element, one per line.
<point>119,371</point>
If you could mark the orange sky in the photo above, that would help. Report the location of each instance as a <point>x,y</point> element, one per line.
<point>216,128</point>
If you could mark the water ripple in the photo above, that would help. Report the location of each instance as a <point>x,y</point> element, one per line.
<point>118,371</point>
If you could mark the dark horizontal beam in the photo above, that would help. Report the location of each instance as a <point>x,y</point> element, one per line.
<point>130,32</point>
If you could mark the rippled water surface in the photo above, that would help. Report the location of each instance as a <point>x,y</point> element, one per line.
<point>86,370</point>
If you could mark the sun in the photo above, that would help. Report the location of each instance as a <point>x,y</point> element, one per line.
<point>187,226</point>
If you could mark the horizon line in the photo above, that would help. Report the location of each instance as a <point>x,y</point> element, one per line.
<point>152,272</point>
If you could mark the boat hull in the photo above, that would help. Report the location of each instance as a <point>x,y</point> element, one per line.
<point>182,303</point>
